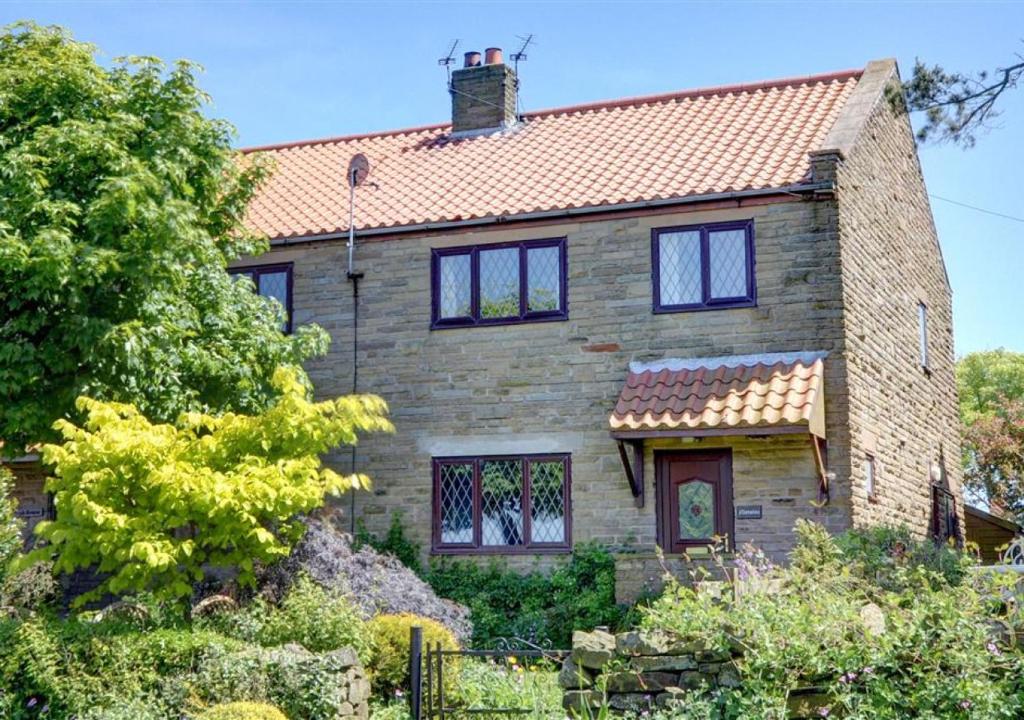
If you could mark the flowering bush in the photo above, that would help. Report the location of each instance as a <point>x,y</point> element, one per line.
<point>868,632</point>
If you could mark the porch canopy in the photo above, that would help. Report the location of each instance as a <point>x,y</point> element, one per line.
<point>766,394</point>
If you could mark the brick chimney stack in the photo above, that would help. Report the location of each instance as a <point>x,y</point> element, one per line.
<point>483,95</point>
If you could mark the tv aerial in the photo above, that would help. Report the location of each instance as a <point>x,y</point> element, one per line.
<point>448,60</point>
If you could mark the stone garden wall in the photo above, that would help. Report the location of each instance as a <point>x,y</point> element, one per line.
<point>636,672</point>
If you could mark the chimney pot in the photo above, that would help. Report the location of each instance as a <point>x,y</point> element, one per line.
<point>492,56</point>
<point>472,58</point>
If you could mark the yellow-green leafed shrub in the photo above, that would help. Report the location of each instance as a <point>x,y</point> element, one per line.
<point>238,482</point>
<point>243,711</point>
<point>390,634</point>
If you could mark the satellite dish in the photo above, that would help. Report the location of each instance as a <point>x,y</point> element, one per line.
<point>358,170</point>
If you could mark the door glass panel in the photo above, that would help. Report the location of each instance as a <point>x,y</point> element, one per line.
<point>696,510</point>
<point>679,268</point>
<point>499,283</point>
<point>501,489</point>
<point>728,259</point>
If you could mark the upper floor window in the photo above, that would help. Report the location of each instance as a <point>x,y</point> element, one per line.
<point>699,267</point>
<point>272,281</point>
<point>922,333</point>
<point>503,504</point>
<point>495,284</point>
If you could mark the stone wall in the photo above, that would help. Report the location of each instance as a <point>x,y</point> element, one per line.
<point>634,672</point>
<point>550,387</point>
<point>841,273</point>
<point>902,414</point>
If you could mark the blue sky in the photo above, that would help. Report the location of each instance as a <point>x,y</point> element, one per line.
<point>287,71</point>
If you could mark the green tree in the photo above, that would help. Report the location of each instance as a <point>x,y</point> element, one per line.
<point>991,386</point>
<point>956,105</point>
<point>152,505</point>
<point>121,205</point>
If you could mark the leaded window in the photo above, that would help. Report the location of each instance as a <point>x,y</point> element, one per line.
<point>503,504</point>
<point>272,281</point>
<point>501,283</point>
<point>703,266</point>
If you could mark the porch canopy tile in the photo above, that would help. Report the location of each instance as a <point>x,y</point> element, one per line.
<point>736,394</point>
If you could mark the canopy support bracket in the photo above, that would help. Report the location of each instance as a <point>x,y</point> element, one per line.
<point>634,469</point>
<point>820,455</point>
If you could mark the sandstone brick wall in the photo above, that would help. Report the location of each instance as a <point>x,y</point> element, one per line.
<point>29,492</point>
<point>549,387</point>
<point>902,414</point>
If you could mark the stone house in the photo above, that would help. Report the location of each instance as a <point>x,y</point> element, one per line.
<point>643,322</point>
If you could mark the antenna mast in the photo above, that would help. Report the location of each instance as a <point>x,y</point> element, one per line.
<point>448,60</point>
<point>516,57</point>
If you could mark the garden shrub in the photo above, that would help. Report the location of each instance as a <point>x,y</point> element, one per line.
<point>127,709</point>
<point>495,684</point>
<point>883,554</point>
<point>310,615</point>
<point>237,483</point>
<point>243,711</point>
<point>543,608</point>
<point>379,584</point>
<point>805,626</point>
<point>302,684</point>
<point>395,543</point>
<point>10,526</point>
<point>33,588</point>
<point>389,669</point>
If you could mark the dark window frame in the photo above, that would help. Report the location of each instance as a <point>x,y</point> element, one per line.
<point>667,503</point>
<point>945,520</point>
<point>476,547</point>
<point>525,315</point>
<point>254,272</point>
<point>707,302</point>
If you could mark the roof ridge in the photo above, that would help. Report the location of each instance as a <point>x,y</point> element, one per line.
<point>594,105</point>
<point>700,92</point>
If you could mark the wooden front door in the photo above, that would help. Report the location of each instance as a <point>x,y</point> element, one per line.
<point>694,498</point>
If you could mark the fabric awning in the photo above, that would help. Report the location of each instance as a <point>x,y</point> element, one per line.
<point>739,394</point>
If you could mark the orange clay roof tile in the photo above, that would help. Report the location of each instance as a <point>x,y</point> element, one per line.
<point>716,393</point>
<point>700,142</point>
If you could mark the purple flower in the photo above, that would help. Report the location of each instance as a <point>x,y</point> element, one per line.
<point>824,711</point>
<point>991,647</point>
<point>868,670</point>
<point>965,704</point>
<point>32,702</point>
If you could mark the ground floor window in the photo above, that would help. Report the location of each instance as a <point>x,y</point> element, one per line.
<point>944,521</point>
<point>694,498</point>
<point>502,504</point>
